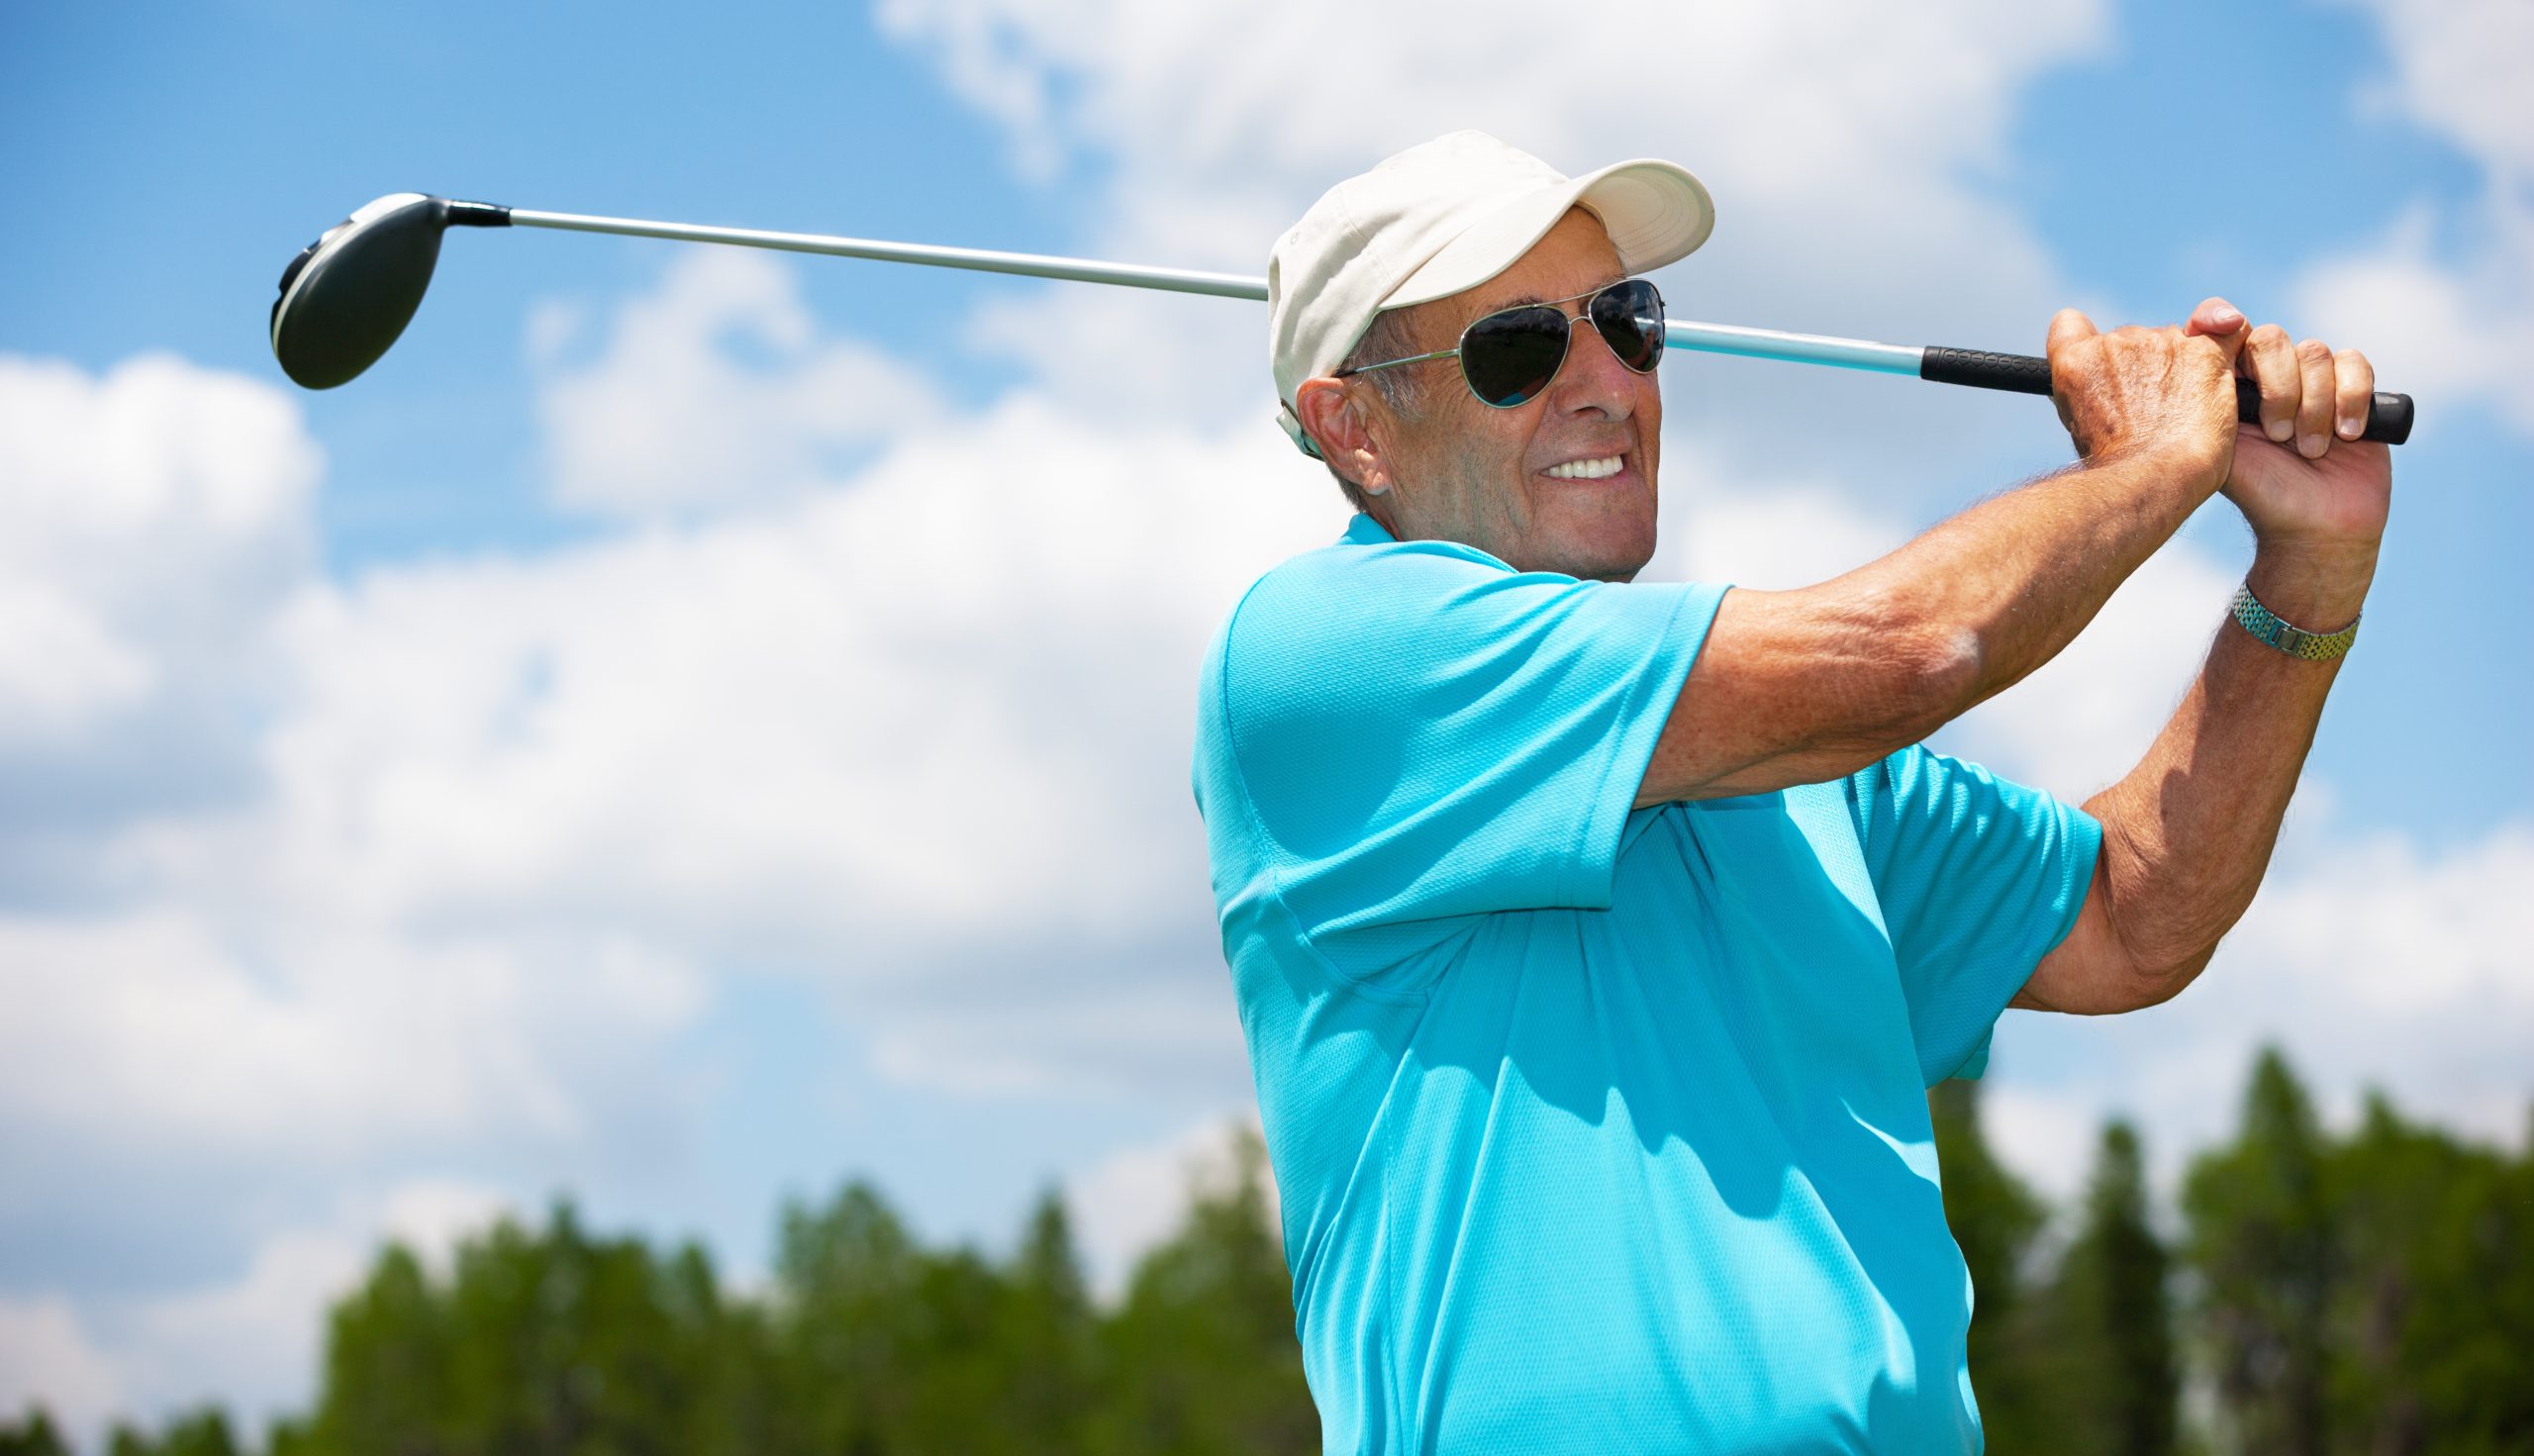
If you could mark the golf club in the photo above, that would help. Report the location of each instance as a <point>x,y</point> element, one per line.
<point>346,296</point>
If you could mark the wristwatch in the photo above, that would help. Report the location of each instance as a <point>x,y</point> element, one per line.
<point>2295,641</point>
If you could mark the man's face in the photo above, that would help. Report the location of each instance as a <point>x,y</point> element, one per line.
<point>1459,470</point>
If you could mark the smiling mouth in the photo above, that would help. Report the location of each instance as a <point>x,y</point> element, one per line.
<point>1600,469</point>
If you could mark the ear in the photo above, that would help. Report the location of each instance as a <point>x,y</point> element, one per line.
<point>1334,418</point>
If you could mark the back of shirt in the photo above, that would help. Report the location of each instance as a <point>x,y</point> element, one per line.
<point>1597,1128</point>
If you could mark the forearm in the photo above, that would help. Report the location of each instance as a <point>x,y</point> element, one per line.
<point>2012,581</point>
<point>2189,833</point>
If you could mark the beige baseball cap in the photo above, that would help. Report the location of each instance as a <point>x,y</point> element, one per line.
<point>1443,216</point>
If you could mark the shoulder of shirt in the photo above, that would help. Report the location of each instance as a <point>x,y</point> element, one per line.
<point>1289,593</point>
<point>1325,598</point>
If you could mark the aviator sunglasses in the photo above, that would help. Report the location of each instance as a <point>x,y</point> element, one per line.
<point>1509,356</point>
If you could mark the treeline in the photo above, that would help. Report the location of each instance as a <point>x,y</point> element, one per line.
<point>2369,1295</point>
<point>2373,1294</point>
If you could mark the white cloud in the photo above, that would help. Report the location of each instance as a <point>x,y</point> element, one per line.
<point>60,667</point>
<point>2047,1138</point>
<point>2087,715</point>
<point>251,1341</point>
<point>821,731</point>
<point>2075,725</point>
<point>248,1342</point>
<point>1771,534</point>
<point>2460,69</point>
<point>670,420</point>
<point>2370,962</point>
<point>158,1032</point>
<point>1134,1198</point>
<point>47,1358</point>
<point>1848,149</point>
<point>251,1344</point>
<point>2446,298</point>
<point>860,688</point>
<point>2380,963</point>
<point>1780,107</point>
<point>151,520</point>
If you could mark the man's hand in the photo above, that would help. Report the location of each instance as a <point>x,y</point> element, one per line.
<point>2168,393</point>
<point>2188,833</point>
<point>2314,493</point>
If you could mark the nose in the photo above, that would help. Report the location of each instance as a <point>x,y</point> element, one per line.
<point>1593,378</point>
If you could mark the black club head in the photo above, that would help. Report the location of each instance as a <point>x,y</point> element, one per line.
<point>347,296</point>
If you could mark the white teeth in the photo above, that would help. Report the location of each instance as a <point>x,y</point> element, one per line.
<point>1600,469</point>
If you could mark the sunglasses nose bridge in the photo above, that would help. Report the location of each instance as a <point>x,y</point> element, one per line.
<point>1591,370</point>
<point>1598,354</point>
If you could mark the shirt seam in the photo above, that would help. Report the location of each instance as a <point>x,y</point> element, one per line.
<point>2080,874</point>
<point>1594,821</point>
<point>1275,894</point>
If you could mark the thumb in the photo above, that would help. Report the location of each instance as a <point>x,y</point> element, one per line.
<point>2221,322</point>
<point>2067,326</point>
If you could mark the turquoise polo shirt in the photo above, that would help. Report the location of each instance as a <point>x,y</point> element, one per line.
<point>1597,1128</point>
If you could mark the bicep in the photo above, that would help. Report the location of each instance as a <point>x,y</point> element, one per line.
<point>1801,687</point>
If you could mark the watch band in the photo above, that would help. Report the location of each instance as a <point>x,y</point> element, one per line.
<point>2295,641</point>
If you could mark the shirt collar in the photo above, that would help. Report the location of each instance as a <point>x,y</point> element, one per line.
<point>1364,530</point>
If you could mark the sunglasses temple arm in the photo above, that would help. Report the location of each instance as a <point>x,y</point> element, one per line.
<point>2389,421</point>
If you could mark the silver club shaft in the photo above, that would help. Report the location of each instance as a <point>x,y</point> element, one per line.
<point>1719,338</point>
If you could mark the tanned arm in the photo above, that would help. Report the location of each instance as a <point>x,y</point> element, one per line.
<point>2189,833</point>
<point>1797,686</point>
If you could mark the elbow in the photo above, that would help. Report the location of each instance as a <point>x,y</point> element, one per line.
<point>1947,664</point>
<point>2156,984</point>
<point>2158,953</point>
<point>1926,674</point>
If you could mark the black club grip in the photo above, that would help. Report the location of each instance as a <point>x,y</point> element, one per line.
<point>2388,417</point>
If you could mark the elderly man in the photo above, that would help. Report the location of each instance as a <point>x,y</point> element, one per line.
<point>1597,942</point>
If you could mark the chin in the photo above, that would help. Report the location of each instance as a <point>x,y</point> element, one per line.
<point>1603,550</point>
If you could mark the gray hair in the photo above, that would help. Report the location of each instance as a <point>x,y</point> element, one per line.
<point>1404,390</point>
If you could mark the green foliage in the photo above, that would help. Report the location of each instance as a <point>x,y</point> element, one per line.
<point>2106,1321</point>
<point>2433,1315</point>
<point>2262,1240</point>
<point>36,1436</point>
<point>866,1343</point>
<point>2368,1294</point>
<point>549,1341</point>
<point>202,1433</point>
<point>2373,1296</point>
<point>1995,1217</point>
<point>1203,1357</point>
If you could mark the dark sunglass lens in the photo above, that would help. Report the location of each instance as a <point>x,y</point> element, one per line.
<point>1629,317</point>
<point>1508,358</point>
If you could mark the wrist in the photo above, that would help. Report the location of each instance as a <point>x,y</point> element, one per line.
<point>2193,460</point>
<point>2172,475</point>
<point>2319,587</point>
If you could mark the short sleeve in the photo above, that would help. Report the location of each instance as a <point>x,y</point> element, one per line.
<point>1422,732</point>
<point>1979,878</point>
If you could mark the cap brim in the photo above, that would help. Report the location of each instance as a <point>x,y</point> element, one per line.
<point>1655,212</point>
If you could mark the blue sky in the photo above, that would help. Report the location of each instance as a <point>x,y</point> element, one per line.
<point>477,806</point>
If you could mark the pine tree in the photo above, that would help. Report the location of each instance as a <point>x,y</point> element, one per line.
<point>2435,1313</point>
<point>36,1436</point>
<point>388,1370</point>
<point>847,1278</point>
<point>1047,1341</point>
<point>2108,1317</point>
<point>1202,1355</point>
<point>1995,1217</point>
<point>2264,1243</point>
